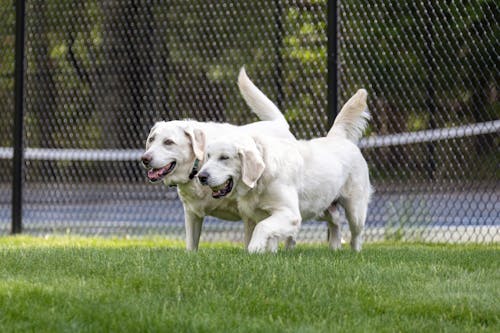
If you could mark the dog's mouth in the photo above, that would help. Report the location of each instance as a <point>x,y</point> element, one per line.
<point>223,189</point>
<point>155,175</point>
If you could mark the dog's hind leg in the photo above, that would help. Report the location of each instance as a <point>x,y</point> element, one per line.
<point>332,217</point>
<point>356,209</point>
<point>290,243</point>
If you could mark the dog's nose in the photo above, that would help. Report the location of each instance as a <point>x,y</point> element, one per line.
<point>203,177</point>
<point>146,159</point>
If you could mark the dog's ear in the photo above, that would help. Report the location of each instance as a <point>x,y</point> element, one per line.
<point>155,126</point>
<point>252,165</point>
<point>151,131</point>
<point>197,138</point>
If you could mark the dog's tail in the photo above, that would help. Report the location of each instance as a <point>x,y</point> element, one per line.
<point>260,104</point>
<point>352,119</point>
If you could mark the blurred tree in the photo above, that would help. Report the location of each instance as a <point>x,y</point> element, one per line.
<point>124,92</point>
<point>99,73</point>
<point>7,45</point>
<point>42,94</point>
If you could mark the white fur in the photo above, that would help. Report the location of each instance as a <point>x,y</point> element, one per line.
<point>299,179</point>
<point>258,102</point>
<point>186,142</point>
<point>352,118</point>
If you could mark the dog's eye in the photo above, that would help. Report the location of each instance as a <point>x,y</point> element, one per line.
<point>223,158</point>
<point>168,142</point>
<point>151,139</point>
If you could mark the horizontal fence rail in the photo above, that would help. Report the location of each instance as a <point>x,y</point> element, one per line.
<point>430,135</point>
<point>60,154</point>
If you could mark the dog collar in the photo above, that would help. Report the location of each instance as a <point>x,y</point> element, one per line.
<point>195,170</point>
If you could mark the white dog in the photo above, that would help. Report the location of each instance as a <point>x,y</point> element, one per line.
<point>281,182</point>
<point>175,152</point>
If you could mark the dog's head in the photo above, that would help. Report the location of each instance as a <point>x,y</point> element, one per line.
<point>171,151</point>
<point>231,161</point>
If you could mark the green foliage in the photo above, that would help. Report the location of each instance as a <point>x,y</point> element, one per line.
<point>96,285</point>
<point>94,68</point>
<point>7,46</point>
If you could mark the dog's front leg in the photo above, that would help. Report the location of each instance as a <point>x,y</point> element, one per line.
<point>281,224</point>
<point>249,227</point>
<point>193,224</point>
<point>284,221</point>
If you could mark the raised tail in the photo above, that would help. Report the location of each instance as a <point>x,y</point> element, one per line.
<point>259,103</point>
<point>352,119</point>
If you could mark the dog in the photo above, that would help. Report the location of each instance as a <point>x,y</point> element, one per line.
<point>175,152</point>
<point>278,183</point>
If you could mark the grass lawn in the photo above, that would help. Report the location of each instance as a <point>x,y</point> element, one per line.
<point>153,285</point>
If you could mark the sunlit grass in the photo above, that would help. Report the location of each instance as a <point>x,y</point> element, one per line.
<point>152,284</point>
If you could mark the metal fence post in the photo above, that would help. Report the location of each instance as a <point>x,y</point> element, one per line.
<point>332,61</point>
<point>18,158</point>
<point>278,66</point>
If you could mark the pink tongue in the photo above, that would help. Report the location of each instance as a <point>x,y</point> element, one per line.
<point>154,173</point>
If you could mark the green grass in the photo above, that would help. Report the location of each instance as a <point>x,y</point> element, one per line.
<point>153,285</point>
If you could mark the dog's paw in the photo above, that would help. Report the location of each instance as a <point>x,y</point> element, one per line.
<point>335,245</point>
<point>257,247</point>
<point>356,243</point>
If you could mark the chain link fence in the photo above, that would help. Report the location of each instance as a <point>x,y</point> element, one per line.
<point>98,74</point>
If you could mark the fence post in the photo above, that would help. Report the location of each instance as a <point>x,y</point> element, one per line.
<point>332,61</point>
<point>278,66</point>
<point>18,158</point>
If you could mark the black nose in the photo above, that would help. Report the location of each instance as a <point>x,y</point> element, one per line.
<point>203,177</point>
<point>146,159</point>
